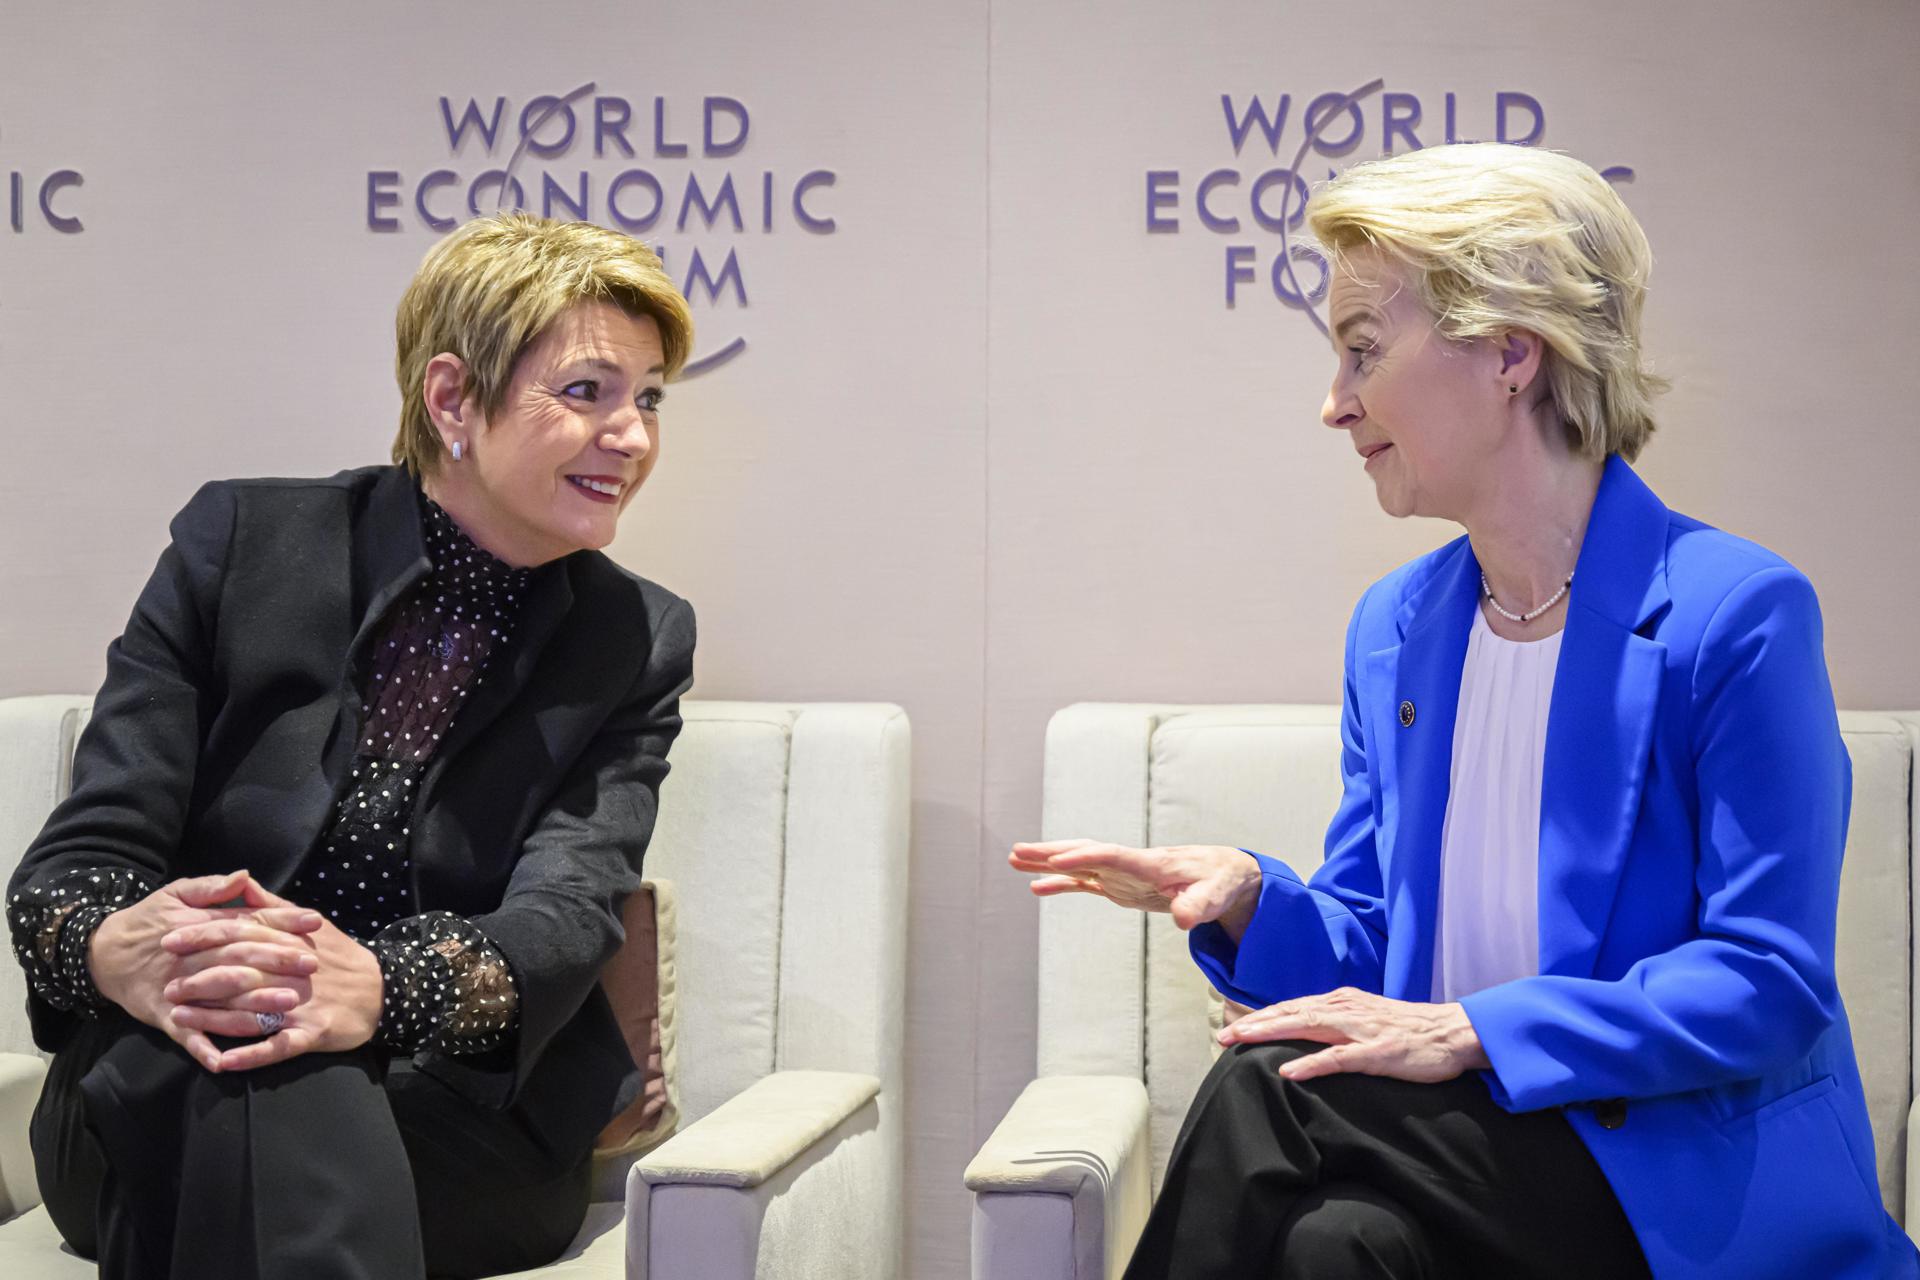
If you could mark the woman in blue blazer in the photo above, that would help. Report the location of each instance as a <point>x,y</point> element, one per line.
<point>1561,1000</point>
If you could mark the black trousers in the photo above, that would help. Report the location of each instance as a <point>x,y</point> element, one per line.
<point>1358,1176</point>
<point>325,1167</point>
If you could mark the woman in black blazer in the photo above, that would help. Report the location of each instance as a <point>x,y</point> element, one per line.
<point>315,940</point>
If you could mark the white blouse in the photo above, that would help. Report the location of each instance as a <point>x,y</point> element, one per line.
<point>1489,913</point>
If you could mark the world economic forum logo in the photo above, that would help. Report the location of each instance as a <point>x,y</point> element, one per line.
<point>1230,202</point>
<point>594,157</point>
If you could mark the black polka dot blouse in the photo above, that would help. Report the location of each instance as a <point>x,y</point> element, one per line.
<point>447,987</point>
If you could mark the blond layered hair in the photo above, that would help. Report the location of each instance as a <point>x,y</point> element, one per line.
<point>1493,237</point>
<point>493,286</point>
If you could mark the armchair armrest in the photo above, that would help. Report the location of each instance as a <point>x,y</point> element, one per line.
<point>1080,1141</point>
<point>759,1131</point>
<point>777,1183</point>
<point>20,1078</point>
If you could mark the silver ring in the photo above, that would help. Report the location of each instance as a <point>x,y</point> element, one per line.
<point>271,1022</point>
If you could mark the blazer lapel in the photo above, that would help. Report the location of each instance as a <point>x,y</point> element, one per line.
<point>388,557</point>
<point>1415,694</point>
<point>1606,692</point>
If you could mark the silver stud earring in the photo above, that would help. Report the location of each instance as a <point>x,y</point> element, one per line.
<point>457,451</point>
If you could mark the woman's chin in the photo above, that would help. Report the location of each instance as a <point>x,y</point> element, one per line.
<point>594,535</point>
<point>1392,501</point>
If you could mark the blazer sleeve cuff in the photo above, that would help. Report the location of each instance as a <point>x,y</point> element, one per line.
<point>1242,971</point>
<point>1521,1075</point>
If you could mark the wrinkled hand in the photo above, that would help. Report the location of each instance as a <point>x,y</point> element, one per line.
<point>340,1012</point>
<point>1368,1034</point>
<point>132,967</point>
<point>1197,883</point>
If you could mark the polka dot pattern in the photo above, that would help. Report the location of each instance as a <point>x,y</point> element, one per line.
<point>52,926</point>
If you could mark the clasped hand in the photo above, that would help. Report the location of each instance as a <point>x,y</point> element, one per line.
<point>190,967</point>
<point>1198,884</point>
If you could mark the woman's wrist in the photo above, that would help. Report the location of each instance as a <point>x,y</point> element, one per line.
<point>1462,1041</point>
<point>103,966</point>
<point>1245,869</point>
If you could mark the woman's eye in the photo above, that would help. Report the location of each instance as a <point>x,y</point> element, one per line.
<point>1360,355</point>
<point>585,389</point>
<point>649,400</point>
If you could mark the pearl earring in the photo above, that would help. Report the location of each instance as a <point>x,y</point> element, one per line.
<point>456,451</point>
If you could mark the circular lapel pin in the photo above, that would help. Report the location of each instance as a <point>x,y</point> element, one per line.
<point>1406,715</point>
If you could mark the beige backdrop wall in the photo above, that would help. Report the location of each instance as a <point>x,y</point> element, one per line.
<point>993,445</point>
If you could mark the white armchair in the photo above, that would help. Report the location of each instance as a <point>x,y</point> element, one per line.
<point>1062,1187</point>
<point>783,828</point>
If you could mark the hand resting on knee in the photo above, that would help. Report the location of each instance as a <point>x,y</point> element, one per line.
<point>190,967</point>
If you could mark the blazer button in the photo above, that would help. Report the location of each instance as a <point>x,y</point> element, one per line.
<point>1406,715</point>
<point>1610,1112</point>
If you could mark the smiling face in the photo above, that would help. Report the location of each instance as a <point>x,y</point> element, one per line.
<point>1425,412</point>
<point>576,435</point>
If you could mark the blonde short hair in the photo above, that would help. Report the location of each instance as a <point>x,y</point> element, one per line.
<point>1494,237</point>
<point>493,286</point>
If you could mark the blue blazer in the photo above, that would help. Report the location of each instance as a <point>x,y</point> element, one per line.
<point>1693,810</point>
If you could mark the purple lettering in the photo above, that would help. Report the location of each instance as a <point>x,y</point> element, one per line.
<point>661,147</point>
<point>1505,101</point>
<point>718,106</point>
<point>634,178</point>
<point>552,194</point>
<point>488,128</point>
<point>1159,198</point>
<point>57,180</point>
<point>1286,284</point>
<point>607,122</point>
<point>1321,111</point>
<point>502,181</point>
<point>1273,222</point>
<point>1238,272</point>
<point>1208,219</point>
<point>694,200</point>
<point>538,112</point>
<point>809,222</point>
<point>438,178</point>
<point>381,196</point>
<point>729,270</point>
<point>1400,116</point>
<point>1256,114</point>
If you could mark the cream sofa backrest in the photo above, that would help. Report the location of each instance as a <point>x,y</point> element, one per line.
<point>787,957</point>
<point>1119,995</point>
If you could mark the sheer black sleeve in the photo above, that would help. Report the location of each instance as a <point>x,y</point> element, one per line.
<point>52,923</point>
<point>448,988</point>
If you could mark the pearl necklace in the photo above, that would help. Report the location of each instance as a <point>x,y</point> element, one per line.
<point>1523,617</point>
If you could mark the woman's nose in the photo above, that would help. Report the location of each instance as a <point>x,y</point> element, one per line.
<point>1339,411</point>
<point>627,435</point>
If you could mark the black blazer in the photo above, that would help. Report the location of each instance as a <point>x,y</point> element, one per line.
<point>227,724</point>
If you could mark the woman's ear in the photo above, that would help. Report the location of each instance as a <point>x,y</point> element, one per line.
<point>449,407</point>
<point>1521,354</point>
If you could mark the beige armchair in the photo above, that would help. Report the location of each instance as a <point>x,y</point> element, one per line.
<point>1062,1187</point>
